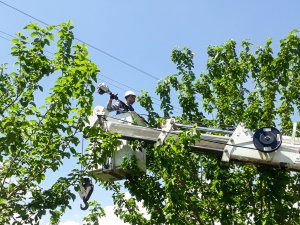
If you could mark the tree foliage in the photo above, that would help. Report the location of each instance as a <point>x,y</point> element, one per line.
<point>36,138</point>
<point>250,86</point>
<point>180,187</point>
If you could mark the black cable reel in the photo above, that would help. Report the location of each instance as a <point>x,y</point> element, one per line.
<point>267,139</point>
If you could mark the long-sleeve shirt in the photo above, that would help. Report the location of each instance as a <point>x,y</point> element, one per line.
<point>119,107</point>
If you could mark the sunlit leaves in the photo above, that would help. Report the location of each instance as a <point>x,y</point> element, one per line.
<point>35,139</point>
<point>255,86</point>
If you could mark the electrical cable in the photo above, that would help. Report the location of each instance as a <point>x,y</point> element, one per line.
<point>121,84</point>
<point>105,77</point>
<point>136,90</point>
<point>93,47</point>
<point>102,79</point>
<point>111,84</point>
<point>99,50</point>
<point>20,11</point>
<point>134,67</point>
<point>90,45</point>
<point>51,54</point>
<point>139,92</point>
<point>4,38</point>
<point>7,34</point>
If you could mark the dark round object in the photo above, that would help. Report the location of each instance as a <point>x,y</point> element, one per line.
<point>267,139</point>
<point>100,91</point>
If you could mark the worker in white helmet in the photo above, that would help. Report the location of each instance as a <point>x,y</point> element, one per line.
<point>120,106</point>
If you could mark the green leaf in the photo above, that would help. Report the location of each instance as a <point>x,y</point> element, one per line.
<point>3,201</point>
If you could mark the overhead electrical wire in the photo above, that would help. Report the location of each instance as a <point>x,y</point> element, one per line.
<point>111,84</point>
<point>90,45</point>
<point>20,11</point>
<point>4,38</point>
<point>7,34</point>
<point>123,84</point>
<point>136,91</point>
<point>109,55</point>
<point>106,77</point>
<point>12,36</point>
<point>127,86</point>
<point>93,47</point>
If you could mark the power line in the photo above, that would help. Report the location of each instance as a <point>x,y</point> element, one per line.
<point>12,36</point>
<point>128,87</point>
<point>90,45</point>
<point>104,77</point>
<point>135,90</point>
<point>114,85</point>
<point>121,84</point>
<point>7,34</point>
<point>4,38</point>
<point>26,14</point>
<point>139,92</point>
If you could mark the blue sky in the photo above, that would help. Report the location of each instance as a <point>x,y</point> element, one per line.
<point>143,34</point>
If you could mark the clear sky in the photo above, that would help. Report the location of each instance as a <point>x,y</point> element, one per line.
<point>143,34</point>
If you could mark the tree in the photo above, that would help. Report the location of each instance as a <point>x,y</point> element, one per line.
<point>35,139</point>
<point>180,186</point>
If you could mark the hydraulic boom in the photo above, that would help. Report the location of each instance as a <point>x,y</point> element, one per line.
<point>266,146</point>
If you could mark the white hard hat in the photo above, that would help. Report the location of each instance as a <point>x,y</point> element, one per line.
<point>127,93</point>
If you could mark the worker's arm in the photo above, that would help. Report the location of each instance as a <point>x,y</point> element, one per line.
<point>112,107</point>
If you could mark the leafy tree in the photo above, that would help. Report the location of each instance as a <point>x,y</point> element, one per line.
<point>180,186</point>
<point>36,139</point>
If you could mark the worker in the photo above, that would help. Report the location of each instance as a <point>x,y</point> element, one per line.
<point>120,106</point>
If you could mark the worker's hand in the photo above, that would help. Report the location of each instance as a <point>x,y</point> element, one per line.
<point>113,96</point>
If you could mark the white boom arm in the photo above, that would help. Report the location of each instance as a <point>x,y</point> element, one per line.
<point>236,145</point>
